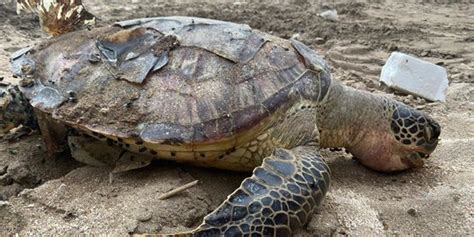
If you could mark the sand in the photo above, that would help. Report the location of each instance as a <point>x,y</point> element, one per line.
<point>59,196</point>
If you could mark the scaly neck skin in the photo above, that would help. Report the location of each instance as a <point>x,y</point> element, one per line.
<point>348,116</point>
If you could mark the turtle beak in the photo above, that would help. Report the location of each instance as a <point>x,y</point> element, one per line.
<point>414,160</point>
<point>417,159</point>
<point>431,134</point>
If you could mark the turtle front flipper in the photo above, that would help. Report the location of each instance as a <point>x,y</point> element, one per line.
<point>279,197</point>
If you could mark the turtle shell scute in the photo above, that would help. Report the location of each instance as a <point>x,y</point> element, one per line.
<point>170,80</point>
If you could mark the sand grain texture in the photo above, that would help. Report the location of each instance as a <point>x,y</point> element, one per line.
<point>60,196</point>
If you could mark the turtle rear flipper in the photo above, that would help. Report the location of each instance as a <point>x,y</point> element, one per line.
<point>16,115</point>
<point>279,197</point>
<point>58,17</point>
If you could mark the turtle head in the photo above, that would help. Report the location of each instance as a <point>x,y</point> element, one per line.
<point>383,134</point>
<point>14,109</point>
<point>405,142</point>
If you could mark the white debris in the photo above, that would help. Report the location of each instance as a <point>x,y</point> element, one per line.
<point>296,36</point>
<point>330,15</point>
<point>415,76</point>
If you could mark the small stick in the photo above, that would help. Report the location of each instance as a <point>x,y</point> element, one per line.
<point>178,190</point>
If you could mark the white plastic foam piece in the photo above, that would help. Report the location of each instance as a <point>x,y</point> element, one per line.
<point>330,15</point>
<point>412,75</point>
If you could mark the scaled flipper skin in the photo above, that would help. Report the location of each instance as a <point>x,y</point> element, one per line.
<point>279,197</point>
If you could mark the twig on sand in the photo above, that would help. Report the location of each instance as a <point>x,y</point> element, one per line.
<point>178,190</point>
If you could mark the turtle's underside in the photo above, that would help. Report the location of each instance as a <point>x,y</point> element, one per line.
<point>217,94</point>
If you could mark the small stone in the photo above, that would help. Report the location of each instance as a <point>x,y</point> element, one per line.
<point>392,47</point>
<point>330,15</point>
<point>319,40</point>
<point>104,110</point>
<point>412,212</point>
<point>4,203</point>
<point>296,36</point>
<point>425,53</point>
<point>144,216</point>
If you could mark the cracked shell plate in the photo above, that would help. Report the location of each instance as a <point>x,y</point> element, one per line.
<point>235,42</point>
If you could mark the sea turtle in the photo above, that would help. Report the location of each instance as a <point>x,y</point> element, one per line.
<point>214,94</point>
